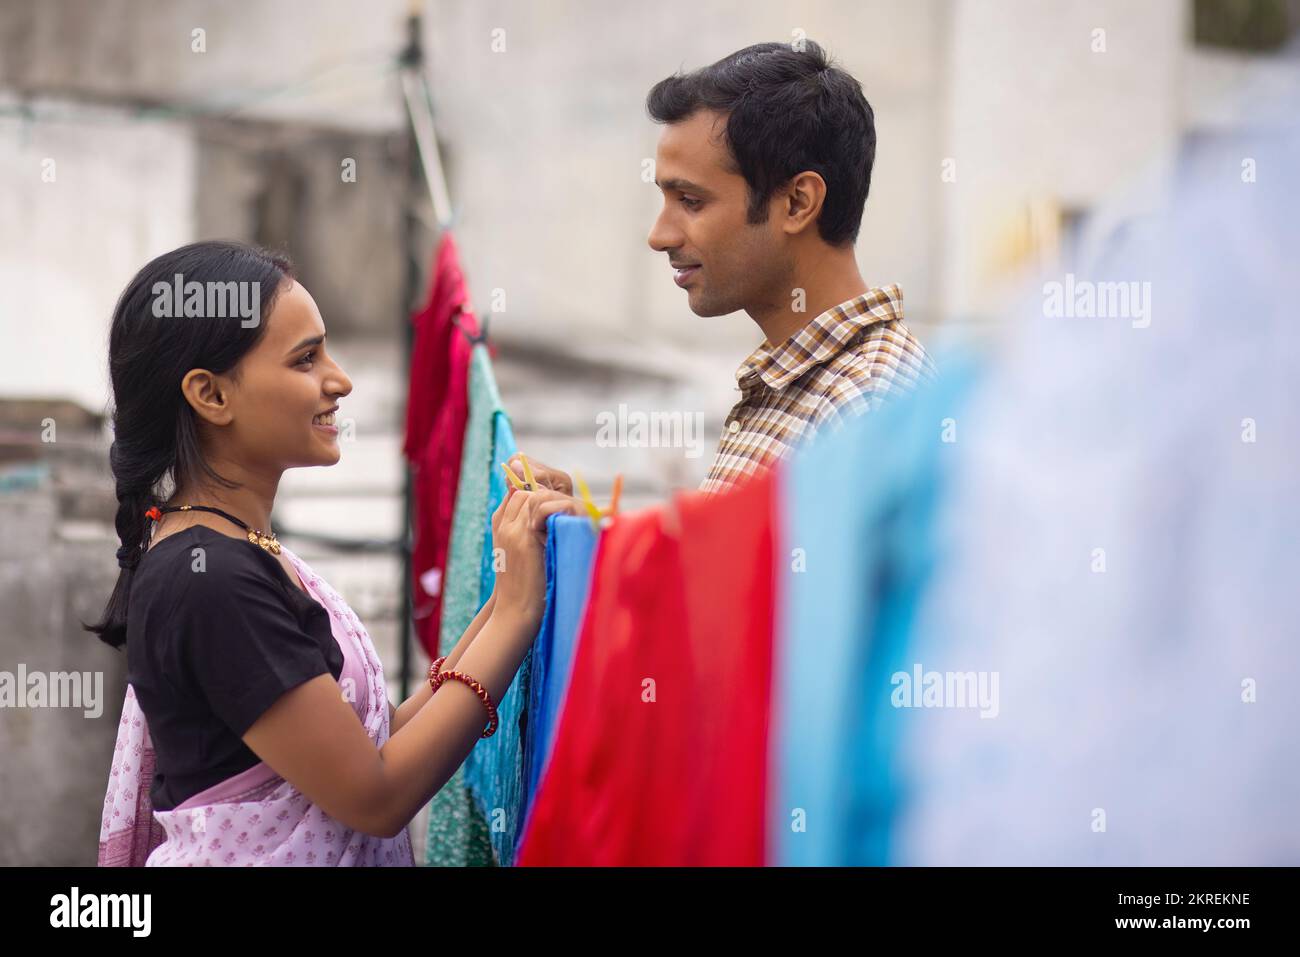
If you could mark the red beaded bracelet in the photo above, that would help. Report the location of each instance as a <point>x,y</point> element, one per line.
<point>435,679</point>
<point>479,690</point>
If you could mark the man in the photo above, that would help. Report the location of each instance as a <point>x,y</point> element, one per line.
<point>764,164</point>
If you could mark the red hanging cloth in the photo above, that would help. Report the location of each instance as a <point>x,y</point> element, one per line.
<point>437,407</point>
<point>661,753</point>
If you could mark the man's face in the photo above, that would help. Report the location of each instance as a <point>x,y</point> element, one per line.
<point>724,263</point>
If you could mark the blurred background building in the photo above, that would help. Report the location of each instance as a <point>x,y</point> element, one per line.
<point>128,128</point>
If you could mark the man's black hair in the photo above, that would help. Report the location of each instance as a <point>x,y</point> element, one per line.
<point>787,111</point>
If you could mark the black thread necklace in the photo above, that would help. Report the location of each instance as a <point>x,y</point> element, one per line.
<point>266,540</point>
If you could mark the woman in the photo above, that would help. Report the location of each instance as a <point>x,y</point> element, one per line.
<point>256,727</point>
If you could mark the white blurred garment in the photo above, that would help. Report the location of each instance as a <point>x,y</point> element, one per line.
<point>1121,690</point>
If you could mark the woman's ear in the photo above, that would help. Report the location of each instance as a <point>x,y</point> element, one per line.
<point>208,396</point>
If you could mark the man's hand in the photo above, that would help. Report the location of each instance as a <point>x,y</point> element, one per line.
<point>543,475</point>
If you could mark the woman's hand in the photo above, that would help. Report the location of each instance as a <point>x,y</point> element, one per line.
<point>519,532</point>
<point>543,474</point>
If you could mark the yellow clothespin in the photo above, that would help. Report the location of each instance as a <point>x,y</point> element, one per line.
<point>514,479</point>
<point>585,493</point>
<point>529,483</point>
<point>528,472</point>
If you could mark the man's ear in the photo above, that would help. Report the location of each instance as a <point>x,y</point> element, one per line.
<point>801,201</point>
<point>208,395</point>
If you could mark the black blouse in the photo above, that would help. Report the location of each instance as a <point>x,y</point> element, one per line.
<point>216,633</point>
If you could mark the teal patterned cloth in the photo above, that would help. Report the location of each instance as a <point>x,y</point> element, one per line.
<point>494,770</point>
<point>458,832</point>
<point>462,599</point>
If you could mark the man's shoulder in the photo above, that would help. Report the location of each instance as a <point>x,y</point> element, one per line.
<point>886,358</point>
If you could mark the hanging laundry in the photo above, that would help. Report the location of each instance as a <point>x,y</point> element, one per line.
<point>458,832</point>
<point>1120,550</point>
<point>436,410</point>
<point>660,754</point>
<point>858,561</point>
<point>570,550</point>
<point>1059,592</point>
<point>503,448</point>
<point>494,770</point>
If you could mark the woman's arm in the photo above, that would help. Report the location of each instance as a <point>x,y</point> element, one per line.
<point>311,736</point>
<point>455,715</point>
<point>423,693</point>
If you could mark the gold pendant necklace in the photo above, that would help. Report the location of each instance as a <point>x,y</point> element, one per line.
<point>266,540</point>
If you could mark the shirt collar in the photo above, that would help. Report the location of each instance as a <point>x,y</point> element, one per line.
<point>821,339</point>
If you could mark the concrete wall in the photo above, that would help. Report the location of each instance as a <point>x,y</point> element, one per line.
<point>308,62</point>
<point>120,194</point>
<point>55,760</point>
<point>1038,116</point>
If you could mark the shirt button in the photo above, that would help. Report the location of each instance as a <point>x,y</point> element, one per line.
<point>734,427</point>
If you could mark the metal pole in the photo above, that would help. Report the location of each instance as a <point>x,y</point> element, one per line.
<point>412,60</point>
<point>415,89</point>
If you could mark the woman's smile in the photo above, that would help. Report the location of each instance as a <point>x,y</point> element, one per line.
<point>325,422</point>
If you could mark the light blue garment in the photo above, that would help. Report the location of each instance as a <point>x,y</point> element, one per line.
<point>856,508</point>
<point>570,553</point>
<point>1120,549</point>
<point>494,771</point>
<point>1109,543</point>
<point>503,447</point>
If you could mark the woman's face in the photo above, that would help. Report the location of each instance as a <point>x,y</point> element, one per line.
<point>286,380</point>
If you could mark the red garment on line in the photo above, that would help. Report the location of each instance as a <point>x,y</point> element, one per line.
<point>681,780</point>
<point>437,407</point>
